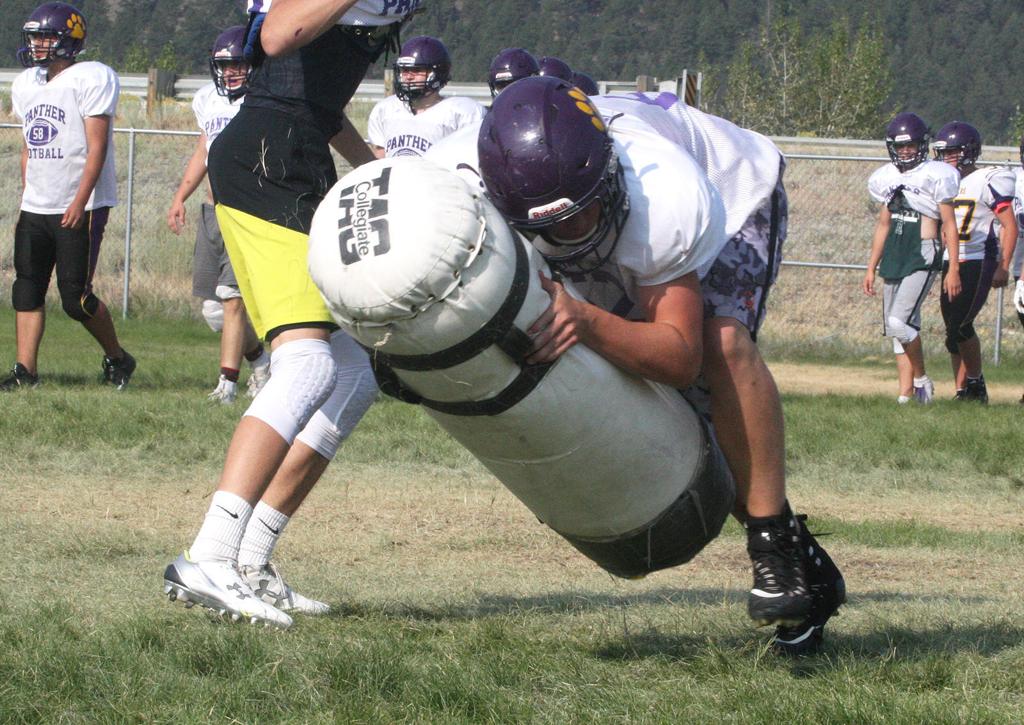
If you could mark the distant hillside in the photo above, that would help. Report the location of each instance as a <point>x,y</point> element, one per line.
<point>957,60</point>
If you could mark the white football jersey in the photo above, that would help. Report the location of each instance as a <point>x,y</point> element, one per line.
<point>676,223</point>
<point>924,187</point>
<point>53,120</point>
<point>981,195</point>
<point>364,12</point>
<point>743,165</point>
<point>400,132</point>
<point>213,111</point>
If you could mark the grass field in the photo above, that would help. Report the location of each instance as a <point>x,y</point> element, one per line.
<point>454,605</point>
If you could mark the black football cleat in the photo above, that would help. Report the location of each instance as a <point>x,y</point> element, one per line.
<point>19,379</point>
<point>780,594</point>
<point>118,372</point>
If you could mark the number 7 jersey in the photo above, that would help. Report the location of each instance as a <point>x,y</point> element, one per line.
<point>982,194</point>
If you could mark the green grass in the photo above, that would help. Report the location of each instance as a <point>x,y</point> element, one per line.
<point>453,605</point>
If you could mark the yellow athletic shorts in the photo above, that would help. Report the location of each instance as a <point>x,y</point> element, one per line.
<point>270,264</point>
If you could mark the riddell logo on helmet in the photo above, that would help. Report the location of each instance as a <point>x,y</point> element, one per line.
<point>548,210</point>
<point>363,226</point>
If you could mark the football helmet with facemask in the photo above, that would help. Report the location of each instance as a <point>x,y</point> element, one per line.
<point>230,71</point>
<point>555,67</point>
<point>510,65</point>
<point>54,31</point>
<point>422,53</point>
<point>906,140</point>
<point>961,137</point>
<point>545,157</point>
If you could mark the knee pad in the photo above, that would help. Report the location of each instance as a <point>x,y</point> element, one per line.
<point>897,347</point>
<point>956,336</point>
<point>26,295</point>
<point>355,389</point>
<point>213,313</point>
<point>302,376</point>
<point>78,304</point>
<point>901,331</point>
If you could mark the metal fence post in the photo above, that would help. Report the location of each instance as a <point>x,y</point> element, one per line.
<point>128,225</point>
<point>999,325</point>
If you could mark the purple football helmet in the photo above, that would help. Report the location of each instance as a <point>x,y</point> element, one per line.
<point>52,20</point>
<point>907,130</point>
<point>422,53</point>
<point>545,156</point>
<point>958,136</point>
<point>556,67</point>
<point>510,65</point>
<point>585,83</point>
<point>230,71</point>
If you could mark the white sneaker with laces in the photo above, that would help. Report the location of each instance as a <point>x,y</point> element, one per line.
<point>225,392</point>
<point>268,584</point>
<point>257,379</point>
<point>220,587</point>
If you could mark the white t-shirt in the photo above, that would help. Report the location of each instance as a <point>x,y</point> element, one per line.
<point>743,165</point>
<point>53,120</point>
<point>395,128</point>
<point>924,187</point>
<point>364,12</point>
<point>981,194</point>
<point>676,223</point>
<point>213,111</point>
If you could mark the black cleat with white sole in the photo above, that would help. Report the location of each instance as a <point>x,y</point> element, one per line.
<point>780,594</point>
<point>828,593</point>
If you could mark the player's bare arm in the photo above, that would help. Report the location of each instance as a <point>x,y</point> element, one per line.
<point>877,246</point>
<point>195,172</point>
<point>350,144</point>
<point>667,348</point>
<point>97,129</point>
<point>291,24</point>
<point>1007,243</point>
<point>951,241</point>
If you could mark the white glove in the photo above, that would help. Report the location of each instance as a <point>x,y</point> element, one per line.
<point>225,391</point>
<point>1018,297</point>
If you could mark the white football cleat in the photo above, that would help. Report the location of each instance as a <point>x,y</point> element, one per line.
<point>268,584</point>
<point>218,586</point>
<point>257,379</point>
<point>225,392</point>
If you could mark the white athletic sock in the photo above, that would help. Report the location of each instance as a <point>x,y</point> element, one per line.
<point>903,399</point>
<point>222,529</point>
<point>921,381</point>
<point>261,535</point>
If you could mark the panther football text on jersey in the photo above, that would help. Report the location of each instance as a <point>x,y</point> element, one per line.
<point>981,195</point>
<point>400,132</point>
<point>213,111</point>
<point>53,120</point>
<point>925,186</point>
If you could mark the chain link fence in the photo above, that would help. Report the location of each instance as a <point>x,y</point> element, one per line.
<point>816,310</point>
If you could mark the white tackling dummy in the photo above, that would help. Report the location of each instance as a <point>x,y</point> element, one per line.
<point>441,289</point>
<point>53,117</point>
<point>393,127</point>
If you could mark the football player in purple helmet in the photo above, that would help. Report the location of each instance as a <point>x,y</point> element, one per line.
<point>555,67</point>
<point>987,230</point>
<point>915,197</point>
<point>228,67</point>
<point>54,31</point>
<point>68,187</point>
<point>906,140</point>
<point>585,83</point>
<point>662,291</point>
<point>959,144</point>
<point>510,65</point>
<point>422,69</point>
